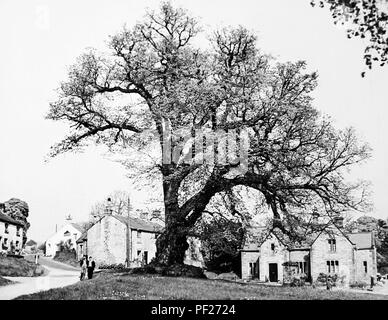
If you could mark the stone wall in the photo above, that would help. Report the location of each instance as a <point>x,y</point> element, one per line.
<point>344,254</point>
<point>107,241</point>
<point>369,256</point>
<point>142,242</point>
<point>267,255</point>
<point>248,257</point>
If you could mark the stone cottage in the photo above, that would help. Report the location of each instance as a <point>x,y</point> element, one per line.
<point>11,235</point>
<point>112,236</point>
<point>109,241</point>
<point>269,255</point>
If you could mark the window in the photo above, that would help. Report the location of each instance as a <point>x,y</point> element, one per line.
<point>272,246</point>
<point>302,267</point>
<point>5,241</point>
<point>332,266</point>
<point>145,257</point>
<point>17,231</point>
<point>6,228</point>
<point>17,244</point>
<point>365,264</point>
<point>253,270</point>
<point>333,245</point>
<point>139,254</point>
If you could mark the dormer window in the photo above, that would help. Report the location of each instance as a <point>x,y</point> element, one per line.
<point>332,245</point>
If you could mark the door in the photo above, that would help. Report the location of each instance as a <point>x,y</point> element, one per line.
<point>273,272</point>
<point>145,257</point>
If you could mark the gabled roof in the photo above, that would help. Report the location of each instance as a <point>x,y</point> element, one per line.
<point>8,219</point>
<point>83,237</point>
<point>139,224</point>
<point>31,243</point>
<point>362,240</point>
<point>257,235</point>
<point>254,238</point>
<point>78,227</point>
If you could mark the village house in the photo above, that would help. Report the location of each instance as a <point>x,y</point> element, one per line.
<point>11,234</point>
<point>112,238</point>
<point>269,255</point>
<point>31,246</point>
<point>68,233</point>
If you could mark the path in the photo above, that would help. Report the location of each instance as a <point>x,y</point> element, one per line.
<point>59,275</point>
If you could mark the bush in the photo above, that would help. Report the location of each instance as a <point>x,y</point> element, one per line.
<point>114,266</point>
<point>333,279</point>
<point>298,280</point>
<point>359,285</point>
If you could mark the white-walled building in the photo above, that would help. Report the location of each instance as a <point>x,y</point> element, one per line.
<point>69,232</point>
<point>11,235</point>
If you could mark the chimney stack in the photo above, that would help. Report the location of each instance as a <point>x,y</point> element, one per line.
<point>156,214</point>
<point>108,207</point>
<point>144,215</point>
<point>315,216</point>
<point>338,221</point>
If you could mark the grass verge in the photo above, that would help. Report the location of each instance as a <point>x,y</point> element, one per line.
<point>121,286</point>
<point>19,267</point>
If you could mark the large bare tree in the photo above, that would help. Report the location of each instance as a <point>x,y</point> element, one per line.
<point>155,84</point>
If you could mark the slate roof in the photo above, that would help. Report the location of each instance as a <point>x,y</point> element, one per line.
<point>139,224</point>
<point>78,227</point>
<point>257,235</point>
<point>5,218</point>
<point>362,240</point>
<point>31,243</point>
<point>83,237</point>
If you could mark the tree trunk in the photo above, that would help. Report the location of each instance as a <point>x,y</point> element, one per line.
<point>172,243</point>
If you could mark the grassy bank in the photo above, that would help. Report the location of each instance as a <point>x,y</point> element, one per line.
<point>68,257</point>
<point>118,286</point>
<point>19,267</point>
<point>4,282</point>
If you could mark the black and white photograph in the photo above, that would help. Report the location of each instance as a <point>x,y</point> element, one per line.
<point>205,151</point>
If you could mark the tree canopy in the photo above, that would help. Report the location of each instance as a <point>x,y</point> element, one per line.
<point>220,119</point>
<point>365,19</point>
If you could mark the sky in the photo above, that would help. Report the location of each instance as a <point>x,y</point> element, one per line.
<point>39,40</point>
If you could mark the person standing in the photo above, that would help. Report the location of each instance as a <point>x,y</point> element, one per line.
<point>91,266</point>
<point>83,268</point>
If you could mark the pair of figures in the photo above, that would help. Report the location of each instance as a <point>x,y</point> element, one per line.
<point>87,267</point>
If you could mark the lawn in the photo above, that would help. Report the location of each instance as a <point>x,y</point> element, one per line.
<point>19,267</point>
<point>119,286</point>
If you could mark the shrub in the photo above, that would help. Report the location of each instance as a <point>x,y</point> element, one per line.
<point>113,266</point>
<point>359,285</point>
<point>334,279</point>
<point>298,280</point>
